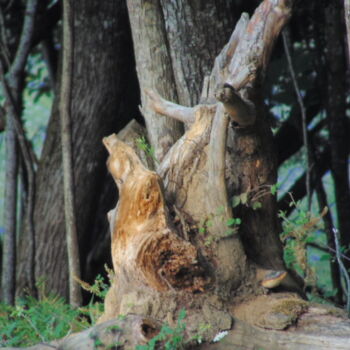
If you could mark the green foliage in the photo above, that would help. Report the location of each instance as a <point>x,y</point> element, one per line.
<point>298,231</point>
<point>99,289</point>
<point>251,198</point>
<point>143,145</point>
<point>32,321</point>
<point>170,338</point>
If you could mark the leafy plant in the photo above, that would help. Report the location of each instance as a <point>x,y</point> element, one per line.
<point>99,289</point>
<point>32,321</point>
<point>297,233</point>
<point>252,197</point>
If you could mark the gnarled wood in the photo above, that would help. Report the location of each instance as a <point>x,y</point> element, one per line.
<point>318,328</point>
<point>146,251</point>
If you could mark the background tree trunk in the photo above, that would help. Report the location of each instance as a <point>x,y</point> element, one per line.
<point>103,75</point>
<point>67,155</point>
<point>337,119</point>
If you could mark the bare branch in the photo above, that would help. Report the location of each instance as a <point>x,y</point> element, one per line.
<point>216,162</point>
<point>343,270</point>
<point>219,72</point>
<point>169,109</point>
<point>241,111</point>
<point>25,41</point>
<point>255,46</point>
<point>303,117</point>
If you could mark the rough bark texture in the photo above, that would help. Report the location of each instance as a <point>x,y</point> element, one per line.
<point>174,52</point>
<point>8,273</point>
<point>336,113</point>
<point>102,71</point>
<point>67,155</point>
<point>159,270</point>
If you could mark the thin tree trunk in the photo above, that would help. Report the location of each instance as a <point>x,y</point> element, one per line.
<point>8,273</point>
<point>347,23</point>
<point>12,86</point>
<point>67,154</point>
<point>103,76</point>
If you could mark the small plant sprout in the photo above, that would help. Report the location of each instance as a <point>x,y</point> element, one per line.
<point>252,197</point>
<point>143,145</point>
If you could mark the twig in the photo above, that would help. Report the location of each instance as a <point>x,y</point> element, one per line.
<point>25,40</point>
<point>303,116</point>
<point>343,270</point>
<point>326,249</point>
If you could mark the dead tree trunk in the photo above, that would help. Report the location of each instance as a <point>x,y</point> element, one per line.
<point>174,242</point>
<point>174,239</point>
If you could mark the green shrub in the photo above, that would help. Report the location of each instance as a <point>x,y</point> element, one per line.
<point>32,321</point>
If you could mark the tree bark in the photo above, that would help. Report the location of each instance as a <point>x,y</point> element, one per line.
<point>8,273</point>
<point>12,86</point>
<point>336,114</point>
<point>347,23</point>
<point>175,45</point>
<point>67,154</point>
<point>103,69</point>
<point>155,265</point>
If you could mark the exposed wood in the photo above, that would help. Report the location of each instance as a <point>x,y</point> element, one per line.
<point>126,333</point>
<point>242,112</point>
<point>169,109</point>
<point>154,68</point>
<point>318,328</point>
<point>146,251</point>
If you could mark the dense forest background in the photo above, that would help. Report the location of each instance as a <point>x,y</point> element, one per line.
<point>305,93</point>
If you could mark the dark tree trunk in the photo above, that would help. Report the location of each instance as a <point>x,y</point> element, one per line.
<point>336,114</point>
<point>102,71</point>
<point>8,272</point>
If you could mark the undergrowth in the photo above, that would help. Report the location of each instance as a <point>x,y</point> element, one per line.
<point>33,321</point>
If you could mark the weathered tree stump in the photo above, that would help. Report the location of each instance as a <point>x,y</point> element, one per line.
<point>173,242</point>
<point>226,150</point>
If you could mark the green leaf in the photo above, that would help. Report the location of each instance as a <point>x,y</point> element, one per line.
<point>229,232</point>
<point>274,189</point>
<point>236,201</point>
<point>256,205</point>
<point>244,197</point>
<point>182,315</point>
<point>231,222</point>
<point>325,257</point>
